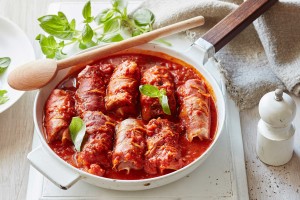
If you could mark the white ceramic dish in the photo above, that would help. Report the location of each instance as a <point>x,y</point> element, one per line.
<point>14,44</point>
<point>65,175</point>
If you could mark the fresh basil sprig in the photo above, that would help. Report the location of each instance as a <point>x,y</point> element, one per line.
<point>4,63</point>
<point>50,47</point>
<point>77,130</point>
<point>154,92</point>
<point>58,26</point>
<point>3,97</point>
<point>110,25</point>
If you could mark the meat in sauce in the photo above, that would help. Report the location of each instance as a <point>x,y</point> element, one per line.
<point>122,90</point>
<point>160,77</point>
<point>195,109</point>
<point>163,148</point>
<point>129,146</point>
<point>58,114</point>
<point>91,90</point>
<point>128,136</point>
<point>96,152</point>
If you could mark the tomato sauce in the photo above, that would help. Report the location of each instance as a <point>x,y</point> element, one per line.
<point>181,73</point>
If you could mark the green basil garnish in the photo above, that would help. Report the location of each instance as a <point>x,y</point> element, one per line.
<point>149,90</point>
<point>87,12</point>
<point>163,100</point>
<point>3,97</point>
<point>77,131</point>
<point>57,26</point>
<point>87,34</point>
<point>143,17</point>
<point>154,92</point>
<point>4,63</point>
<point>109,25</point>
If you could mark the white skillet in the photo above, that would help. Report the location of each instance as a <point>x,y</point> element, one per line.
<point>202,51</point>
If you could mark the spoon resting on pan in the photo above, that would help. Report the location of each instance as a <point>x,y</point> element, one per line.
<point>36,74</point>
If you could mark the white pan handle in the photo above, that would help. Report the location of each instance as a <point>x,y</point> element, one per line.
<point>58,174</point>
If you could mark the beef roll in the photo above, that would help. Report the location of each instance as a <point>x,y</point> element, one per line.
<point>122,90</point>
<point>130,145</point>
<point>95,156</point>
<point>59,110</point>
<point>91,90</point>
<point>160,77</point>
<point>163,147</point>
<point>194,100</point>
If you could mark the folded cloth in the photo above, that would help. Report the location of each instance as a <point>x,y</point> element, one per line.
<point>262,58</point>
<point>279,32</point>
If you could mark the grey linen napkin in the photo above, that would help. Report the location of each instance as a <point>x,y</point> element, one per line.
<point>263,57</point>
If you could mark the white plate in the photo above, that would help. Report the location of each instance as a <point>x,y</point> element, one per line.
<point>14,44</point>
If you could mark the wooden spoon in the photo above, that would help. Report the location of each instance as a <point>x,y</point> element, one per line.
<point>36,74</point>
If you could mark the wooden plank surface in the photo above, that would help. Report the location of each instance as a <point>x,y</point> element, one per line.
<point>16,124</point>
<point>16,129</point>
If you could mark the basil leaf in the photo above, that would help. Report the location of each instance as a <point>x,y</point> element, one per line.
<point>3,97</point>
<point>143,17</point>
<point>163,100</point>
<point>112,25</point>
<point>162,92</point>
<point>104,16</point>
<point>116,37</point>
<point>149,90</point>
<point>61,44</point>
<point>119,4</point>
<point>4,63</point>
<point>73,25</point>
<point>87,11</point>
<point>87,33</point>
<point>62,17</point>
<point>2,92</point>
<point>154,92</point>
<point>77,130</point>
<point>57,26</point>
<point>48,45</point>
<point>136,32</point>
<point>87,45</point>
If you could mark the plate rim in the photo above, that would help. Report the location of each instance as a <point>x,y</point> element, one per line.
<point>32,54</point>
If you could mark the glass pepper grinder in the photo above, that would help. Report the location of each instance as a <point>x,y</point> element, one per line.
<point>275,131</point>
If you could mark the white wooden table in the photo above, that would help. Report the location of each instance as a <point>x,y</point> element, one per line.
<point>16,130</point>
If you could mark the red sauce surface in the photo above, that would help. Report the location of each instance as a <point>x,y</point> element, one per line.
<point>181,73</point>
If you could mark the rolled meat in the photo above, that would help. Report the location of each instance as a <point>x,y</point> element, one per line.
<point>163,149</point>
<point>59,110</point>
<point>130,145</point>
<point>160,77</point>
<point>96,150</point>
<point>122,90</point>
<point>195,109</point>
<point>91,90</point>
